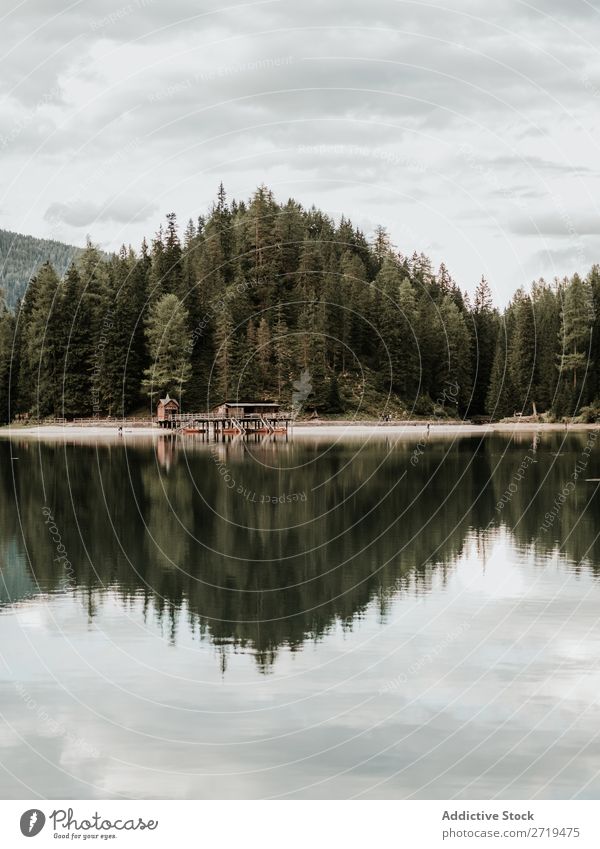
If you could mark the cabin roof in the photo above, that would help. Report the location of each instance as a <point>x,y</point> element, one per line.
<point>168,400</point>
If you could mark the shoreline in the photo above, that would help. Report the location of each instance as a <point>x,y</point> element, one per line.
<point>301,429</point>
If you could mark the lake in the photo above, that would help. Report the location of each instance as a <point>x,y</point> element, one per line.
<point>364,618</point>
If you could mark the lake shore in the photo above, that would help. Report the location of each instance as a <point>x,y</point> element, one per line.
<point>312,428</point>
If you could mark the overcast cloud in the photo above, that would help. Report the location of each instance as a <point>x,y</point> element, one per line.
<point>469,129</point>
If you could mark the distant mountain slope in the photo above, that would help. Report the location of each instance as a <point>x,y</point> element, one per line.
<point>21,256</point>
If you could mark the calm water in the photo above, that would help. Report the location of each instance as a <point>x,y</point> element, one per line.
<point>302,619</point>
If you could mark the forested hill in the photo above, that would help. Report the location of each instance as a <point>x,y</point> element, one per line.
<point>21,257</point>
<point>267,300</point>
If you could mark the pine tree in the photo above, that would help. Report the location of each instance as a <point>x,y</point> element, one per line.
<point>223,367</point>
<point>390,327</point>
<point>523,362</point>
<point>310,271</point>
<point>355,294</point>
<point>42,339</point>
<point>166,328</point>
<point>312,350</point>
<point>76,365</point>
<point>93,271</point>
<point>500,400</point>
<point>382,245</point>
<point>577,320</point>
<point>485,329</point>
<point>7,335</point>
<point>455,379</point>
<point>593,382</point>
<point>124,353</point>
<point>408,385</point>
<point>283,351</point>
<point>547,314</point>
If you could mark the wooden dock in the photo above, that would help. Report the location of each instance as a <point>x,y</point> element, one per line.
<point>218,427</point>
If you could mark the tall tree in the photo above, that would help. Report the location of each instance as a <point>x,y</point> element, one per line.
<point>485,328</point>
<point>166,328</point>
<point>500,401</point>
<point>222,382</point>
<point>76,366</point>
<point>577,321</point>
<point>523,340</point>
<point>42,339</point>
<point>455,376</point>
<point>7,335</point>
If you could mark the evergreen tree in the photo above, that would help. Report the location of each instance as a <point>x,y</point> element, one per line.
<point>124,354</point>
<point>263,353</point>
<point>577,320</point>
<point>261,292</point>
<point>7,335</point>
<point>485,328</point>
<point>166,328</point>
<point>42,339</point>
<point>93,271</point>
<point>223,367</point>
<point>500,398</point>
<point>76,366</point>
<point>455,377</point>
<point>523,361</point>
<point>283,352</point>
<point>547,313</point>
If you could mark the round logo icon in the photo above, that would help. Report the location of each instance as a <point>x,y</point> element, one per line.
<point>32,822</point>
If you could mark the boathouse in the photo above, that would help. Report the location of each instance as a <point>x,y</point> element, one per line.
<point>244,409</point>
<point>167,409</point>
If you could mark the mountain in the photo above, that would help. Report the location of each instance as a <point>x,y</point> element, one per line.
<point>21,256</point>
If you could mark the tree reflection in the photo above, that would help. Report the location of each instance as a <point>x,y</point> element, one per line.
<point>212,550</point>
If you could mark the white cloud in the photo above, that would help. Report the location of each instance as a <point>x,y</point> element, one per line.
<point>336,104</point>
<point>83,213</point>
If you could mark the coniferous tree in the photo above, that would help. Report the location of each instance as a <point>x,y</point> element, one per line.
<point>455,375</point>
<point>7,335</point>
<point>390,327</point>
<point>263,353</point>
<point>485,327</point>
<point>43,339</point>
<point>169,369</point>
<point>93,271</point>
<point>409,343</point>
<point>224,362</point>
<point>76,366</point>
<point>500,400</point>
<point>577,319</point>
<point>284,353</point>
<point>547,314</point>
<point>523,340</point>
<point>593,380</point>
<point>264,292</point>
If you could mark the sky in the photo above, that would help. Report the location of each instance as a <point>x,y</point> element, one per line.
<point>469,129</point>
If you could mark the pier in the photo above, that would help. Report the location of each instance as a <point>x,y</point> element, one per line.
<point>231,418</point>
<point>218,427</point>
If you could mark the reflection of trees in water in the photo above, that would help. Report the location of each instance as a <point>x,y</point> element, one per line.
<point>574,529</point>
<point>161,523</point>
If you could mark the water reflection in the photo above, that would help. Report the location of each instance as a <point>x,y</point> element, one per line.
<point>258,546</point>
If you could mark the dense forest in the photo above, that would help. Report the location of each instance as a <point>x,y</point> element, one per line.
<point>21,256</point>
<point>257,293</point>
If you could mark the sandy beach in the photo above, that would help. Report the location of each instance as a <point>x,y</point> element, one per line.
<point>302,429</point>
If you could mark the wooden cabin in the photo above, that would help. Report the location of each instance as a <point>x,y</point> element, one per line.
<point>243,409</point>
<point>167,409</point>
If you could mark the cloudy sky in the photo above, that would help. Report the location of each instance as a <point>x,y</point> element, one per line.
<point>468,128</point>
